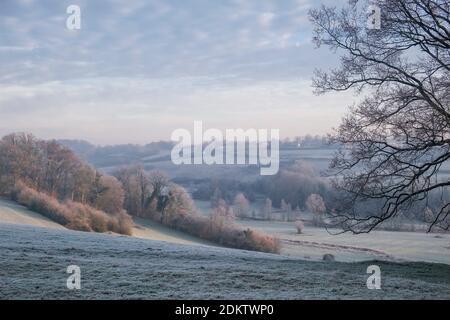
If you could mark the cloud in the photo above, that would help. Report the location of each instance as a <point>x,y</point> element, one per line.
<point>266,18</point>
<point>146,37</point>
<point>16,48</point>
<point>156,64</point>
<point>156,107</point>
<point>26,2</point>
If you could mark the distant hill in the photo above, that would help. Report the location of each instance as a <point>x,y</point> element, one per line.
<point>113,155</point>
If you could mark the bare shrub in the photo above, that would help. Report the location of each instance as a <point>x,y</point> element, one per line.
<point>300,226</point>
<point>328,257</point>
<point>219,228</point>
<point>171,205</point>
<point>261,242</point>
<point>121,223</point>
<point>78,224</point>
<point>41,203</point>
<point>73,215</point>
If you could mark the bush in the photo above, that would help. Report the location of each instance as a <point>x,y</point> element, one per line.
<point>300,226</point>
<point>261,242</point>
<point>222,231</point>
<point>72,215</point>
<point>328,257</point>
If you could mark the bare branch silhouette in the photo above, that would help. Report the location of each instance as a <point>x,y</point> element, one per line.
<point>395,140</point>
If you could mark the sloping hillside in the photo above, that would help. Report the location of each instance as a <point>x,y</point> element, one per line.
<point>34,260</point>
<point>148,229</point>
<point>11,212</point>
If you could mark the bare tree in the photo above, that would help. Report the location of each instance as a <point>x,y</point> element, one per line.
<point>221,217</point>
<point>395,140</point>
<point>242,205</point>
<point>315,204</point>
<point>267,209</point>
<point>159,183</point>
<point>216,198</point>
<point>179,202</point>
<point>111,196</point>
<point>136,184</point>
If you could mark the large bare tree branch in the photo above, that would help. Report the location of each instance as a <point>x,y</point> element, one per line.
<point>397,138</point>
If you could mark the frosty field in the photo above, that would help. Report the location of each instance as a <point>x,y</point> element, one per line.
<point>380,245</point>
<point>33,264</point>
<point>159,263</point>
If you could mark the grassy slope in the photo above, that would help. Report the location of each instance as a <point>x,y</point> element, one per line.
<point>311,245</point>
<point>148,229</point>
<point>34,260</point>
<point>11,212</point>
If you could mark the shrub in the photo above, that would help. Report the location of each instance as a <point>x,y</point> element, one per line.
<point>328,257</point>
<point>300,226</point>
<point>72,215</point>
<point>221,230</point>
<point>171,205</point>
<point>261,242</point>
<point>121,223</point>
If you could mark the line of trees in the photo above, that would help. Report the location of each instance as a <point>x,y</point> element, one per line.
<point>152,195</point>
<point>298,188</point>
<point>49,167</point>
<point>35,171</point>
<point>49,178</point>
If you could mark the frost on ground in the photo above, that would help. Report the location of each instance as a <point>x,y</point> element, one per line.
<point>11,212</point>
<point>33,264</point>
<point>313,243</point>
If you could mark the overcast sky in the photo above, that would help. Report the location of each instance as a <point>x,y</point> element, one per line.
<point>139,69</point>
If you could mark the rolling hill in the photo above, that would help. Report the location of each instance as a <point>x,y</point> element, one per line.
<point>34,261</point>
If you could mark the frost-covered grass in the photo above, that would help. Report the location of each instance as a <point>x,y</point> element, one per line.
<point>314,242</point>
<point>33,264</point>
<point>387,245</point>
<point>12,212</point>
